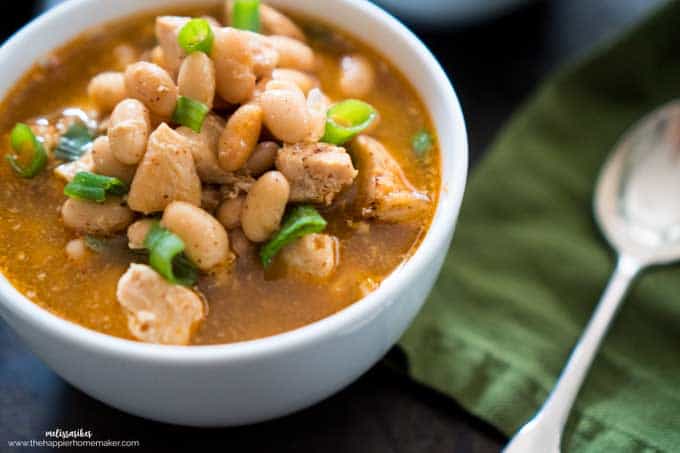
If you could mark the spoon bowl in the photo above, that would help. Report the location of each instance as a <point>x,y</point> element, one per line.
<point>637,199</point>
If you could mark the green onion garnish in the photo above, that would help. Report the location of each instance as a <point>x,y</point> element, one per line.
<point>422,142</point>
<point>346,120</point>
<point>196,36</point>
<point>23,140</point>
<point>190,113</point>
<point>91,187</point>
<point>166,257</point>
<point>74,143</point>
<point>246,15</point>
<point>299,221</point>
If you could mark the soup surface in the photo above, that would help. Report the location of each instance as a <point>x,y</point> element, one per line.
<point>76,273</point>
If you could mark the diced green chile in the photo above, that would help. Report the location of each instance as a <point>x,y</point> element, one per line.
<point>196,36</point>
<point>246,15</point>
<point>422,142</point>
<point>167,258</point>
<point>23,141</point>
<point>74,143</point>
<point>346,120</point>
<point>190,113</point>
<point>299,221</point>
<point>93,187</point>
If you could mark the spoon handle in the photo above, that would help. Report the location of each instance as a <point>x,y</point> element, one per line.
<point>543,433</point>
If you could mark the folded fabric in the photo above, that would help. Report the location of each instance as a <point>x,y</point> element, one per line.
<point>528,264</point>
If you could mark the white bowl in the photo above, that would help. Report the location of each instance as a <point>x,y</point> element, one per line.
<point>251,381</point>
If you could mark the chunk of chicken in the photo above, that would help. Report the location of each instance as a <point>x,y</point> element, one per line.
<point>234,65</point>
<point>167,173</point>
<point>384,191</point>
<point>167,30</point>
<point>158,311</point>
<point>316,171</point>
<point>316,255</point>
<point>203,147</point>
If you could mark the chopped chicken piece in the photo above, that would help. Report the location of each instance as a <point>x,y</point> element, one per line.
<point>158,311</point>
<point>203,148</point>
<point>316,255</point>
<point>317,172</point>
<point>167,30</point>
<point>384,191</point>
<point>166,173</point>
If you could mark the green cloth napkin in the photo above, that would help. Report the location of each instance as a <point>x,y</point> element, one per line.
<point>528,264</point>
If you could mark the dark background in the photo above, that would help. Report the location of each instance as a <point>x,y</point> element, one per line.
<point>494,66</point>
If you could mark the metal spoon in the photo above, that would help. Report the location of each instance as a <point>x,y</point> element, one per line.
<point>637,205</point>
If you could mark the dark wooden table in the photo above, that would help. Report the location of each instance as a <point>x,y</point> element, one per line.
<point>494,67</point>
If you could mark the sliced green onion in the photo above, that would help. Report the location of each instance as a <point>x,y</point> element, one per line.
<point>23,141</point>
<point>92,187</point>
<point>246,15</point>
<point>190,113</point>
<point>301,220</point>
<point>166,257</point>
<point>196,36</point>
<point>346,120</point>
<point>422,142</point>
<point>74,143</point>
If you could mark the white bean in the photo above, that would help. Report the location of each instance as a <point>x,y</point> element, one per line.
<point>129,131</point>
<point>357,76</point>
<point>240,244</point>
<point>272,22</point>
<point>303,80</point>
<point>240,137</point>
<point>262,158</point>
<point>152,85</point>
<point>76,249</point>
<point>196,78</point>
<point>125,54</point>
<point>317,107</point>
<point>276,23</point>
<point>293,53</point>
<point>229,212</point>
<point>264,206</point>
<point>205,239</point>
<point>105,163</point>
<point>137,232</point>
<point>285,111</point>
<point>89,217</point>
<point>106,90</point>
